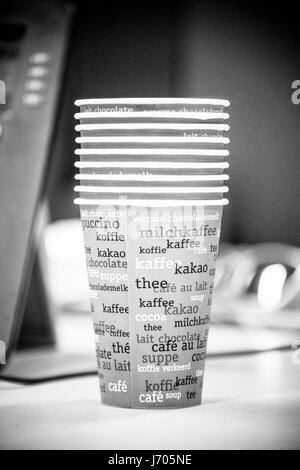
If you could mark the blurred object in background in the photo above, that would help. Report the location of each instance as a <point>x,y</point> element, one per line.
<point>259,285</point>
<point>68,285</point>
<point>33,52</point>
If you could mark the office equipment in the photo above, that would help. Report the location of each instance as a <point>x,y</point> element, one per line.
<point>33,45</point>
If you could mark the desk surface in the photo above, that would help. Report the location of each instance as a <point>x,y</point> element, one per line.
<point>250,402</point>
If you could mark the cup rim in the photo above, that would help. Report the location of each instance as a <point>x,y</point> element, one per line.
<point>148,178</point>
<point>151,189</point>
<point>151,203</point>
<point>167,165</point>
<point>152,114</point>
<point>156,151</point>
<point>152,125</point>
<point>152,140</point>
<point>153,100</point>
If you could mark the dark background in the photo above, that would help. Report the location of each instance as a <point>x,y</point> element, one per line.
<point>249,54</point>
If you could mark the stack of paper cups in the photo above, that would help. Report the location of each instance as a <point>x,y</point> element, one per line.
<point>150,189</point>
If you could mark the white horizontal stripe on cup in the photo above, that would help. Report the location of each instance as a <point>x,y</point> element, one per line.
<point>204,101</point>
<point>149,152</point>
<point>152,140</point>
<point>151,190</point>
<point>150,203</point>
<point>83,177</point>
<point>152,114</point>
<point>153,126</point>
<point>167,165</point>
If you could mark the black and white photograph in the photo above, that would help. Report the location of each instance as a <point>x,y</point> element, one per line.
<point>149,228</point>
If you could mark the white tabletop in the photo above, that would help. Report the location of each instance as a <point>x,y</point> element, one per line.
<point>250,402</point>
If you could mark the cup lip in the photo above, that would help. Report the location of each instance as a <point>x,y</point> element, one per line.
<point>156,151</point>
<point>151,203</point>
<point>153,100</point>
<point>152,140</point>
<point>205,116</point>
<point>167,165</point>
<point>148,178</point>
<point>152,189</point>
<point>153,126</point>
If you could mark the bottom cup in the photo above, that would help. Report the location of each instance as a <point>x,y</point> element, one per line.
<point>151,268</point>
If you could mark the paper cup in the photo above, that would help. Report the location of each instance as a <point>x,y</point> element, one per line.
<point>129,105</point>
<point>152,130</point>
<point>149,117</point>
<point>151,168</point>
<point>152,142</point>
<point>153,155</point>
<point>151,267</point>
<point>167,180</point>
<point>151,192</point>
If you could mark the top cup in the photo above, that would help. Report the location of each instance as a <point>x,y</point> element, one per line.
<point>137,105</point>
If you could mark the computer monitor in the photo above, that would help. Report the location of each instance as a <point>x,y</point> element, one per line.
<point>33,46</point>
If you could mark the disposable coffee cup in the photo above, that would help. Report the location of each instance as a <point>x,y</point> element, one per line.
<point>153,155</point>
<point>167,180</point>
<point>151,168</point>
<point>149,117</point>
<point>151,192</point>
<point>152,142</point>
<point>129,105</point>
<point>151,268</point>
<point>152,130</point>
